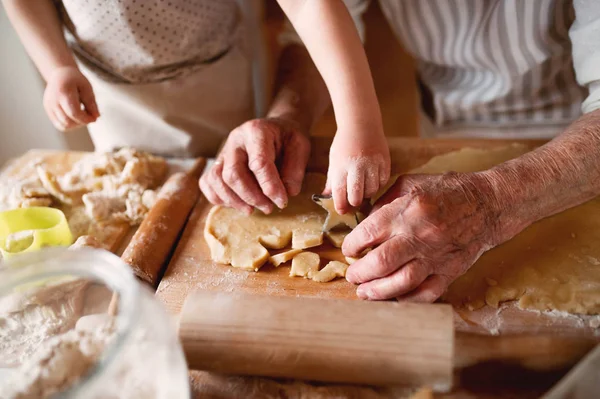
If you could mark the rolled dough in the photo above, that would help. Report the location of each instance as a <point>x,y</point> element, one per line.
<point>552,265</point>
<point>242,241</point>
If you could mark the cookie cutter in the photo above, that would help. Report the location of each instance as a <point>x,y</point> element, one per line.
<point>30,229</point>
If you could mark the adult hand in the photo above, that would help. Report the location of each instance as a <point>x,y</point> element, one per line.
<point>69,99</point>
<point>426,231</point>
<point>359,165</point>
<point>262,163</point>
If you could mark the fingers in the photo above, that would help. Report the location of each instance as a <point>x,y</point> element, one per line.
<point>88,99</point>
<point>238,177</point>
<point>371,232</point>
<point>356,186</point>
<point>296,153</point>
<point>63,122</point>
<point>339,191</point>
<point>208,192</point>
<point>380,262</point>
<point>403,281</point>
<point>261,161</point>
<point>431,289</point>
<point>226,194</point>
<point>372,182</point>
<point>384,173</point>
<point>71,107</point>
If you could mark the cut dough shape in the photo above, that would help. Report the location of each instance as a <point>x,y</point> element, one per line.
<point>283,257</point>
<point>332,270</point>
<point>552,265</point>
<point>240,240</point>
<point>307,239</point>
<point>334,219</point>
<point>305,264</point>
<point>336,237</point>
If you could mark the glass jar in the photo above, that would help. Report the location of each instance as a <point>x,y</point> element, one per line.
<point>57,337</point>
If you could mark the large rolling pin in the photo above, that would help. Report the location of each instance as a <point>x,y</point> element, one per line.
<point>376,343</point>
<point>153,242</point>
<point>384,343</point>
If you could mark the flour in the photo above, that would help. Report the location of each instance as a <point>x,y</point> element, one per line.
<point>59,363</point>
<point>31,317</point>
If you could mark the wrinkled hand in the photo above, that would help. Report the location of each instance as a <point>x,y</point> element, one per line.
<point>426,231</point>
<point>69,99</point>
<point>262,163</point>
<point>359,164</point>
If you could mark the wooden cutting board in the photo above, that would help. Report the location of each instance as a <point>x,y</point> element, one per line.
<point>191,267</point>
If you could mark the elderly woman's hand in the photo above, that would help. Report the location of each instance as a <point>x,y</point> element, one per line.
<point>425,232</point>
<point>262,164</point>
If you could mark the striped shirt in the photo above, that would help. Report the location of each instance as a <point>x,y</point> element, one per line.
<point>500,62</point>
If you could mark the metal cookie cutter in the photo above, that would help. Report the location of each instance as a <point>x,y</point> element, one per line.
<point>30,229</point>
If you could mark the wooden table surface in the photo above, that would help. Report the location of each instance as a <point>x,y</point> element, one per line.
<point>191,268</point>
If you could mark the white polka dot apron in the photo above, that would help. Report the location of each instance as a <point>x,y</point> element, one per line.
<point>170,77</point>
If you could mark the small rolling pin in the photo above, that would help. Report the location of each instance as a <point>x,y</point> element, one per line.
<point>375,343</point>
<point>152,243</point>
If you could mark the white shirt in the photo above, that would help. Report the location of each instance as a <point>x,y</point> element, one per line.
<point>499,62</point>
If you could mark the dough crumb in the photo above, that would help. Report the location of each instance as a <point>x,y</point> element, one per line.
<point>283,257</point>
<point>332,270</point>
<point>305,264</point>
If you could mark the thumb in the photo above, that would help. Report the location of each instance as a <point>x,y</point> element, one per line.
<point>87,97</point>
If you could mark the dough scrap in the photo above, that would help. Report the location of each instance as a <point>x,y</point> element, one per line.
<point>332,270</point>
<point>283,257</point>
<point>240,240</point>
<point>552,265</point>
<point>114,187</point>
<point>336,237</point>
<point>305,264</point>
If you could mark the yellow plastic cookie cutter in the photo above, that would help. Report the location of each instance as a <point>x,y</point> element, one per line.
<point>30,229</point>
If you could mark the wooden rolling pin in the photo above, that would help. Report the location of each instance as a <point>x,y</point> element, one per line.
<point>153,242</point>
<point>376,343</point>
<point>384,343</point>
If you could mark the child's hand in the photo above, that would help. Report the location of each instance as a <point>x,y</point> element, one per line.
<point>69,99</point>
<point>359,164</point>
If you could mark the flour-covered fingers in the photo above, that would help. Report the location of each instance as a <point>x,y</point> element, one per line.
<point>372,181</point>
<point>381,261</point>
<point>384,171</point>
<point>404,280</point>
<point>429,291</point>
<point>355,184</point>
<point>241,181</point>
<point>339,191</point>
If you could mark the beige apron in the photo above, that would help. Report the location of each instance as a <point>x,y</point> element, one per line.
<point>170,77</point>
<point>185,116</point>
